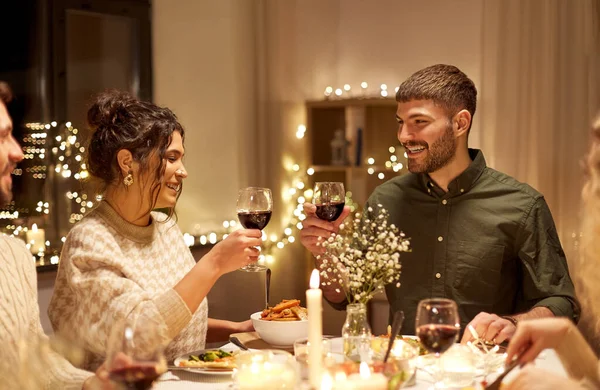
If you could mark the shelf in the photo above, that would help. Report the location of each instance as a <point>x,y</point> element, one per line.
<point>339,168</point>
<point>370,101</point>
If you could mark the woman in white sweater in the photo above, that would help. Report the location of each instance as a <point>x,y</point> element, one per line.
<point>534,336</point>
<point>123,263</point>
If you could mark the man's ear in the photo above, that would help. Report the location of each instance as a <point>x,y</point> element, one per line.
<point>461,123</point>
<point>125,161</point>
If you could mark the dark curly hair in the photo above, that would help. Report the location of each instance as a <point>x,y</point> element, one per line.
<point>120,121</point>
<point>445,85</point>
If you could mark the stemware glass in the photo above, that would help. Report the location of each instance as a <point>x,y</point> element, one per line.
<point>438,326</point>
<point>329,197</point>
<point>254,208</point>
<point>135,355</point>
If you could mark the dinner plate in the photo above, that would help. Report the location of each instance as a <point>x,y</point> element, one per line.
<point>204,370</point>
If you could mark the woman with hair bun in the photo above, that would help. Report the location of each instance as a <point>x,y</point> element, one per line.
<point>124,263</point>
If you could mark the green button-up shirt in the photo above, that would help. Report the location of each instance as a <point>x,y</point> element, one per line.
<point>489,243</point>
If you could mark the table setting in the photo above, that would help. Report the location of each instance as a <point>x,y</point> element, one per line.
<point>289,351</point>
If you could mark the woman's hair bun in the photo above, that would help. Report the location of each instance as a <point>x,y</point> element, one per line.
<point>109,108</point>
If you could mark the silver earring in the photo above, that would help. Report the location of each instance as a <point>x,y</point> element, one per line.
<point>128,180</point>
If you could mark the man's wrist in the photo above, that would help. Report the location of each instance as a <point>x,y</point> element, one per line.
<point>512,319</point>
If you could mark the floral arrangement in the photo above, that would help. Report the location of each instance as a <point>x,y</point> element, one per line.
<point>364,256</point>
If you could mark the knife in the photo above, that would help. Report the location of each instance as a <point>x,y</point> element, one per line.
<point>495,385</point>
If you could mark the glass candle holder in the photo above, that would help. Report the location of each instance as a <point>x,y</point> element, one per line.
<point>266,369</point>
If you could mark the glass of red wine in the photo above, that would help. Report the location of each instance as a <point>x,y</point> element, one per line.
<point>254,208</point>
<point>135,359</point>
<point>330,198</point>
<point>438,326</point>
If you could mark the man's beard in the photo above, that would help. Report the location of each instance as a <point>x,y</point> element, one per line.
<point>440,153</point>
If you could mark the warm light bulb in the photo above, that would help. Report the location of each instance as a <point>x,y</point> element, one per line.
<point>364,85</point>
<point>310,171</point>
<point>347,87</point>
<point>338,92</point>
<point>329,90</point>
<point>370,171</point>
<point>296,167</point>
<point>381,176</point>
<point>384,93</point>
<point>383,87</point>
<point>371,161</point>
<point>392,149</point>
<point>315,280</point>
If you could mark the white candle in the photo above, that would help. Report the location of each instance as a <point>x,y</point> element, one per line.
<point>314,297</point>
<point>365,380</point>
<point>36,238</point>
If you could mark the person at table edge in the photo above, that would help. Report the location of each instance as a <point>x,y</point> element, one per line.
<point>478,236</point>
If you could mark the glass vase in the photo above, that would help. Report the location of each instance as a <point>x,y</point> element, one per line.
<point>356,333</point>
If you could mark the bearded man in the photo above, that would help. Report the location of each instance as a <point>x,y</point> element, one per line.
<point>478,236</point>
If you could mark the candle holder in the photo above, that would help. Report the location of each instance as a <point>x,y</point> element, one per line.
<point>265,369</point>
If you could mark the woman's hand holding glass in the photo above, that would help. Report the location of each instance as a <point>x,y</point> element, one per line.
<point>237,250</point>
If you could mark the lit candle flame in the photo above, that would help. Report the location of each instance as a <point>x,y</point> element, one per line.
<point>314,279</point>
<point>34,228</point>
<point>365,371</point>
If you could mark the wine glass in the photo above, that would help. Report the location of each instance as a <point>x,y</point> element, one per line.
<point>438,326</point>
<point>254,208</point>
<point>330,198</point>
<point>135,357</point>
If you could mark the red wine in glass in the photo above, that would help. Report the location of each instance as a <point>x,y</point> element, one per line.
<point>330,212</point>
<point>254,219</point>
<point>254,208</point>
<point>137,376</point>
<point>437,338</point>
<point>329,198</point>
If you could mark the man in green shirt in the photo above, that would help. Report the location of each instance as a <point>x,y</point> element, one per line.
<point>478,236</point>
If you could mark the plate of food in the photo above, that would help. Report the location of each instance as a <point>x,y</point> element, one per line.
<point>208,361</point>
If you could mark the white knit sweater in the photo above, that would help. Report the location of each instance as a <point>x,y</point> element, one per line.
<point>113,273</point>
<point>26,361</point>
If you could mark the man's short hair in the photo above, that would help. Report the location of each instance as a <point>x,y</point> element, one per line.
<point>445,85</point>
<point>6,94</point>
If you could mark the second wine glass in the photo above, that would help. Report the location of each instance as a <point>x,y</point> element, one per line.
<point>254,208</point>
<point>330,198</point>
<point>438,326</point>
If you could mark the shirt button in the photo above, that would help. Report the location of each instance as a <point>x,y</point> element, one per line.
<point>438,275</point>
<point>444,201</point>
<point>440,238</point>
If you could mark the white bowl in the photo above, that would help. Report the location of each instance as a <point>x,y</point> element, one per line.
<point>279,333</point>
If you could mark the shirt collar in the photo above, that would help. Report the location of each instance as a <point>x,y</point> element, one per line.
<point>463,182</point>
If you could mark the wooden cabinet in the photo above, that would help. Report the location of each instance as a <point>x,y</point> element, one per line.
<point>376,119</point>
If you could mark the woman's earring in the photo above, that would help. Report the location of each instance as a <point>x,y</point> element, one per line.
<point>128,180</point>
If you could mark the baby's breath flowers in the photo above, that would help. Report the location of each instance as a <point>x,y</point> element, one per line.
<point>364,256</point>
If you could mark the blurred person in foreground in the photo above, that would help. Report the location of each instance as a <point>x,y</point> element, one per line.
<point>27,360</point>
<point>533,336</point>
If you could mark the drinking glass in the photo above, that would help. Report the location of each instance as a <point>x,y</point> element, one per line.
<point>135,356</point>
<point>254,208</point>
<point>438,326</point>
<point>330,198</point>
<point>265,369</point>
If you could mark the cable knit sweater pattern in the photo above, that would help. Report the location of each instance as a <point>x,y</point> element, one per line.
<point>113,273</point>
<point>26,360</point>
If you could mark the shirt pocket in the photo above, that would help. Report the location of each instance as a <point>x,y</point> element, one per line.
<point>477,273</point>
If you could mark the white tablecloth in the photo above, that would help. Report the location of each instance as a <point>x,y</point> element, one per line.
<point>180,380</point>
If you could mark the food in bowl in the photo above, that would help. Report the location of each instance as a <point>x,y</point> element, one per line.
<point>282,324</point>
<point>286,310</point>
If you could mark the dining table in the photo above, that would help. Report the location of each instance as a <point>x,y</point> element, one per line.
<point>180,379</point>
